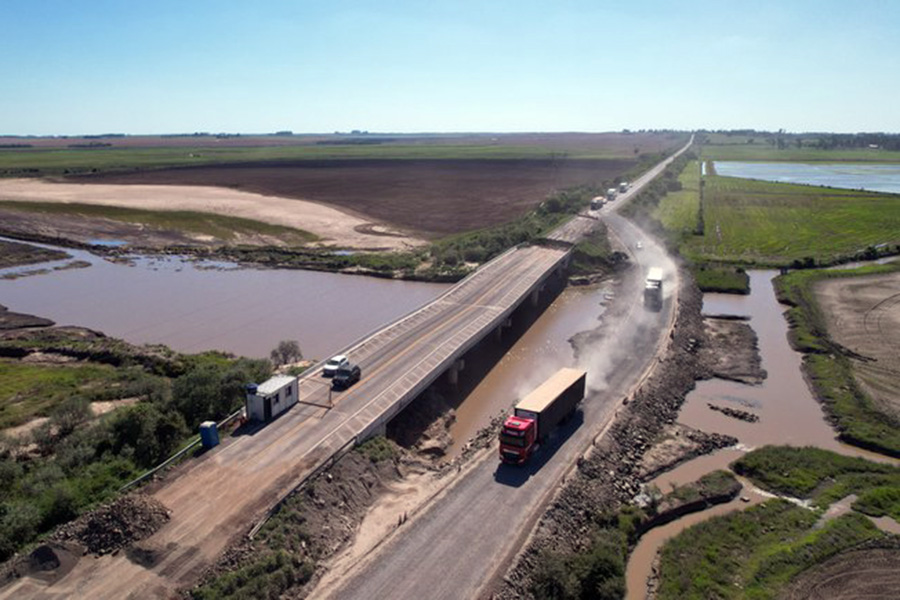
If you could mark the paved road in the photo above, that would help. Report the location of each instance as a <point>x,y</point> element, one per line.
<point>457,544</point>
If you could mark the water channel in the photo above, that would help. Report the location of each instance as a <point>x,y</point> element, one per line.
<point>875,178</point>
<point>788,414</point>
<point>193,306</point>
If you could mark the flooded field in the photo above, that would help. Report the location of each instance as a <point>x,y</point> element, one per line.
<point>875,178</point>
<point>195,306</point>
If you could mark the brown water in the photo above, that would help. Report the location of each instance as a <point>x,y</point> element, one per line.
<point>788,414</point>
<point>536,355</point>
<point>216,306</point>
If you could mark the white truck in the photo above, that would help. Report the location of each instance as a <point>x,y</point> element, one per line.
<point>653,289</point>
<point>623,187</point>
<point>610,194</point>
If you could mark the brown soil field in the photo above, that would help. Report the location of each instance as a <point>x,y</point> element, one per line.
<point>429,197</point>
<point>863,315</point>
<point>850,576</point>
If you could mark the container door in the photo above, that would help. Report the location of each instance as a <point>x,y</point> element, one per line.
<point>267,409</point>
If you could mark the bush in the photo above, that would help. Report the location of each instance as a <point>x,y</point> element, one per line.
<point>150,432</point>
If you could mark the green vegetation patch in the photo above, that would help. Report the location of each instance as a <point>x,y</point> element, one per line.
<point>819,475</point>
<point>726,280</point>
<point>197,223</point>
<point>32,390</point>
<point>74,461</point>
<point>828,365</point>
<point>270,576</point>
<point>779,146</point>
<point>777,224</point>
<point>753,553</point>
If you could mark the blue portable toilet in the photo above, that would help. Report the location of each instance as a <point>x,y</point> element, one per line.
<point>209,434</point>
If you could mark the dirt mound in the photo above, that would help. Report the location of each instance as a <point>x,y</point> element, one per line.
<point>871,573</point>
<point>732,350</point>
<point>115,525</point>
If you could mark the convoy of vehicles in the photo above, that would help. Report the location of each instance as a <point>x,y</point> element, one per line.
<point>653,289</point>
<point>538,414</point>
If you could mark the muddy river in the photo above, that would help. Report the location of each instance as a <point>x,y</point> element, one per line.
<point>195,306</point>
<point>788,414</point>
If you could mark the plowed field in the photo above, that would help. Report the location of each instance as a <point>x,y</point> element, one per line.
<point>429,197</point>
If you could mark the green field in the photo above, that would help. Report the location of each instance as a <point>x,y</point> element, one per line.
<point>219,226</point>
<point>774,224</point>
<point>679,210</point>
<point>829,369</point>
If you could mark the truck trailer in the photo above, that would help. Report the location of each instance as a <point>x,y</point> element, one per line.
<point>653,290</point>
<point>539,413</point>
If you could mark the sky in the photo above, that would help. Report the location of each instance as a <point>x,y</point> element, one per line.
<point>70,67</point>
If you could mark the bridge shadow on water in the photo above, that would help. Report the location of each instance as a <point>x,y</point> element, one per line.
<point>517,475</point>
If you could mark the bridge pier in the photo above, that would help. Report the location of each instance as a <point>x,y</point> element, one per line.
<point>498,333</point>
<point>453,371</point>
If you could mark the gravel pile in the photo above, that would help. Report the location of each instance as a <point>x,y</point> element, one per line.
<point>115,525</point>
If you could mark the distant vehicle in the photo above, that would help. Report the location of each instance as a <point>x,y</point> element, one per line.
<point>623,187</point>
<point>536,415</point>
<point>334,364</point>
<point>639,246</point>
<point>597,202</point>
<point>346,376</point>
<point>610,194</point>
<point>653,289</point>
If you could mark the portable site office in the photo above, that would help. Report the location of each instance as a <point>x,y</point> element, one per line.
<point>271,398</point>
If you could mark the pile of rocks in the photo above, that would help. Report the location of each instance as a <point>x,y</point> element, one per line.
<point>734,413</point>
<point>115,525</point>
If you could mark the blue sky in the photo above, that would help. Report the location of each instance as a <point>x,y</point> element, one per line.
<point>93,66</point>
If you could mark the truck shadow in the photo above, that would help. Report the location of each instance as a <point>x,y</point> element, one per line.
<point>517,475</point>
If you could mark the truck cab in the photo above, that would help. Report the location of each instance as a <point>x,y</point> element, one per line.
<point>517,439</point>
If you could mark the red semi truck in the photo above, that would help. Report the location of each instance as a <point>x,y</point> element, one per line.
<point>536,415</point>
